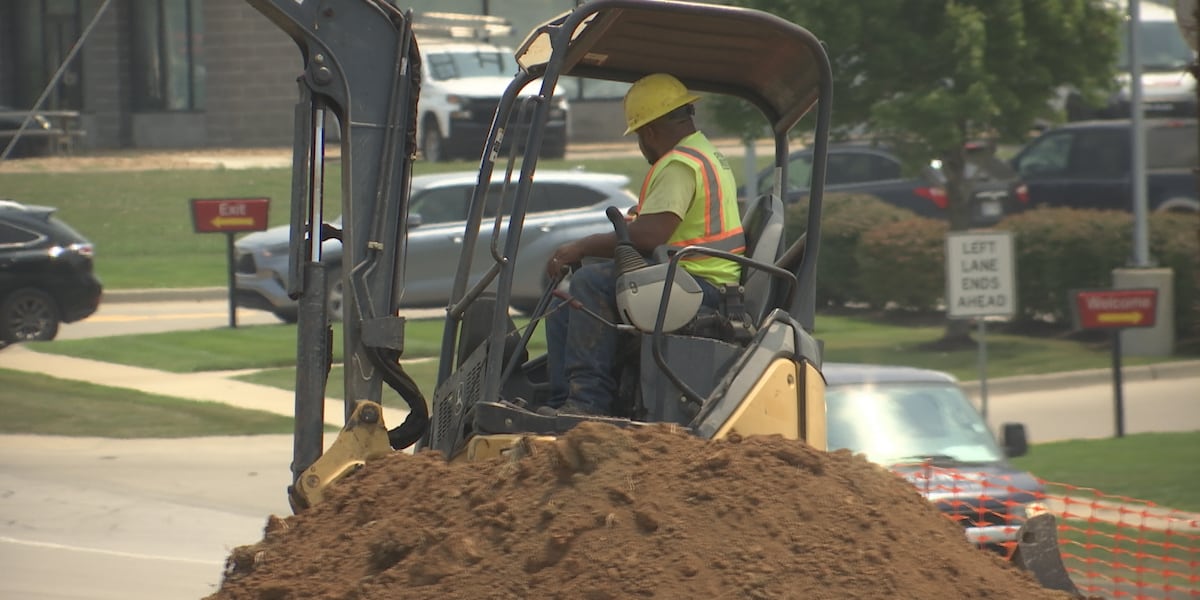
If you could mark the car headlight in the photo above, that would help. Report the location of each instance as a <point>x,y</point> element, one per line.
<point>1029,510</point>
<point>276,250</point>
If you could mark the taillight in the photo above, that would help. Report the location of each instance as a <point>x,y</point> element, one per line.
<point>82,249</point>
<point>936,195</point>
<point>1023,194</point>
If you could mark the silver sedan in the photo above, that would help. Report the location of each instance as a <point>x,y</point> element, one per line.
<point>563,205</point>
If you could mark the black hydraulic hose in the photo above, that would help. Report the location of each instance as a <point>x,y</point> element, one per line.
<point>417,421</point>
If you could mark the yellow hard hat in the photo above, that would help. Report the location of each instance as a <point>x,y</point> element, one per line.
<point>652,97</point>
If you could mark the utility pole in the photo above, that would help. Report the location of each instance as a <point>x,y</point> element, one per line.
<point>1141,237</point>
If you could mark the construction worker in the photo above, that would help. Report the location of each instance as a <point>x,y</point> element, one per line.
<point>689,198</point>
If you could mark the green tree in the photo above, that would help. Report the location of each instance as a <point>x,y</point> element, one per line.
<point>927,76</point>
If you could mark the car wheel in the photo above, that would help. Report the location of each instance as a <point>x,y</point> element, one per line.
<point>335,300</point>
<point>431,142</point>
<point>28,315</point>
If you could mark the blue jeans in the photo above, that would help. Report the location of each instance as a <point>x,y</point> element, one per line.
<point>581,351</point>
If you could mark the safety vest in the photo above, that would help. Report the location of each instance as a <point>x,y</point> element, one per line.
<point>712,219</point>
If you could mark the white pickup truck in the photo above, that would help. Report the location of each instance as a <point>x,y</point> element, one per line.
<point>461,83</point>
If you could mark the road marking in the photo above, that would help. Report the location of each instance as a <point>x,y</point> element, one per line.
<point>117,553</point>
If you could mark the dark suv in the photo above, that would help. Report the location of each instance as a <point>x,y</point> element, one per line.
<point>46,274</point>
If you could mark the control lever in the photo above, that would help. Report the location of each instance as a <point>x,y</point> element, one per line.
<point>641,287</point>
<point>625,255</point>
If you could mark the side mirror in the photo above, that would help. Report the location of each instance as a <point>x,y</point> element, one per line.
<point>1014,439</point>
<point>415,220</point>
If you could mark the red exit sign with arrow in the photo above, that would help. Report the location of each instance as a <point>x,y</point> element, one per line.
<point>229,215</point>
<point>1114,309</point>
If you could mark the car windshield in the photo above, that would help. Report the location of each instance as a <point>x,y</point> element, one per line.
<point>909,422</point>
<point>1161,46</point>
<point>461,65</point>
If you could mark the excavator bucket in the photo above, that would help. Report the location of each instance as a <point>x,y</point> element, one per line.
<point>1037,553</point>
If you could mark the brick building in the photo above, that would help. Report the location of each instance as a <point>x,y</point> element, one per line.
<point>197,73</point>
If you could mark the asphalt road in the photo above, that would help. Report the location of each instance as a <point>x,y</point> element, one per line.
<point>125,318</point>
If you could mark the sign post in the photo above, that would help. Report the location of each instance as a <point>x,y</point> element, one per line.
<point>1115,310</point>
<point>980,282</point>
<point>229,216</point>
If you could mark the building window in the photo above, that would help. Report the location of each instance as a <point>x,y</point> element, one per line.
<point>168,57</point>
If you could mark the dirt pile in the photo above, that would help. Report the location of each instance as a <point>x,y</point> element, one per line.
<point>606,513</point>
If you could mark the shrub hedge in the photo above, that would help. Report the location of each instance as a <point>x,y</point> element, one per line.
<point>876,253</point>
<point>904,263</point>
<point>844,218</point>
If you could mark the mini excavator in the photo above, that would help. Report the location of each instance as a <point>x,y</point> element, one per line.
<point>750,371</point>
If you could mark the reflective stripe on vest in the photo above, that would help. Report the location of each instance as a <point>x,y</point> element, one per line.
<point>704,225</point>
<point>734,240</point>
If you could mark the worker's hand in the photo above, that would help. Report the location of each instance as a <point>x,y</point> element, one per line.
<point>564,258</point>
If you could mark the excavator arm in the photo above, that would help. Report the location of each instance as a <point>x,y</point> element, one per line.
<point>361,63</point>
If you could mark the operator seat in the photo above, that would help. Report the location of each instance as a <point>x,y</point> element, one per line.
<point>763,227</point>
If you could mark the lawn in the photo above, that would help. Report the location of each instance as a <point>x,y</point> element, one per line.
<point>857,338</point>
<point>140,221</point>
<point>48,406</point>
<point>1163,465</point>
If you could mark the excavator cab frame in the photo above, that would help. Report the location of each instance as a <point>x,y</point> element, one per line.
<point>485,380</point>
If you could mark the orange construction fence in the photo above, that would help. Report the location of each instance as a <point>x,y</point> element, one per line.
<point>1114,547</point>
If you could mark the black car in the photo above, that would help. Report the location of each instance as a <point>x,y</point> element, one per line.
<point>1089,164</point>
<point>46,274</point>
<point>866,168</point>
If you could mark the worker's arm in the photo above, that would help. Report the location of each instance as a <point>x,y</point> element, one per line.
<point>661,213</point>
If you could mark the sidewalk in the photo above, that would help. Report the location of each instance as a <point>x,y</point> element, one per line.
<point>214,386</point>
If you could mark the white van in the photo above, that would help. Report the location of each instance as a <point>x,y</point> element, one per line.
<point>1168,87</point>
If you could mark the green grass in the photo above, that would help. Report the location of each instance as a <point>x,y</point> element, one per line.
<point>1160,467</point>
<point>47,406</point>
<point>863,339</point>
<point>847,339</point>
<point>247,347</point>
<point>424,373</point>
<point>141,221</point>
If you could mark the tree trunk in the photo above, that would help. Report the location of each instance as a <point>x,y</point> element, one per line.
<point>954,163</point>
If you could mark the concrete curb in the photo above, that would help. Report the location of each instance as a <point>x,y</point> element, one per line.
<point>1071,379</point>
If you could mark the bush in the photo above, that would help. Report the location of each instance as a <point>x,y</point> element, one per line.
<point>904,262</point>
<point>1062,249</point>
<point>844,218</point>
<point>1175,243</point>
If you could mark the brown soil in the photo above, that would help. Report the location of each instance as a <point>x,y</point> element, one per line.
<point>606,513</point>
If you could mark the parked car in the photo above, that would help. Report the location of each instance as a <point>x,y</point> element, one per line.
<point>563,205</point>
<point>920,424</point>
<point>1088,164</point>
<point>865,168</point>
<point>46,274</point>
<point>461,85</point>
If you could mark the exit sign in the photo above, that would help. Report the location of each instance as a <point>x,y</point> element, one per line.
<point>229,215</point>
